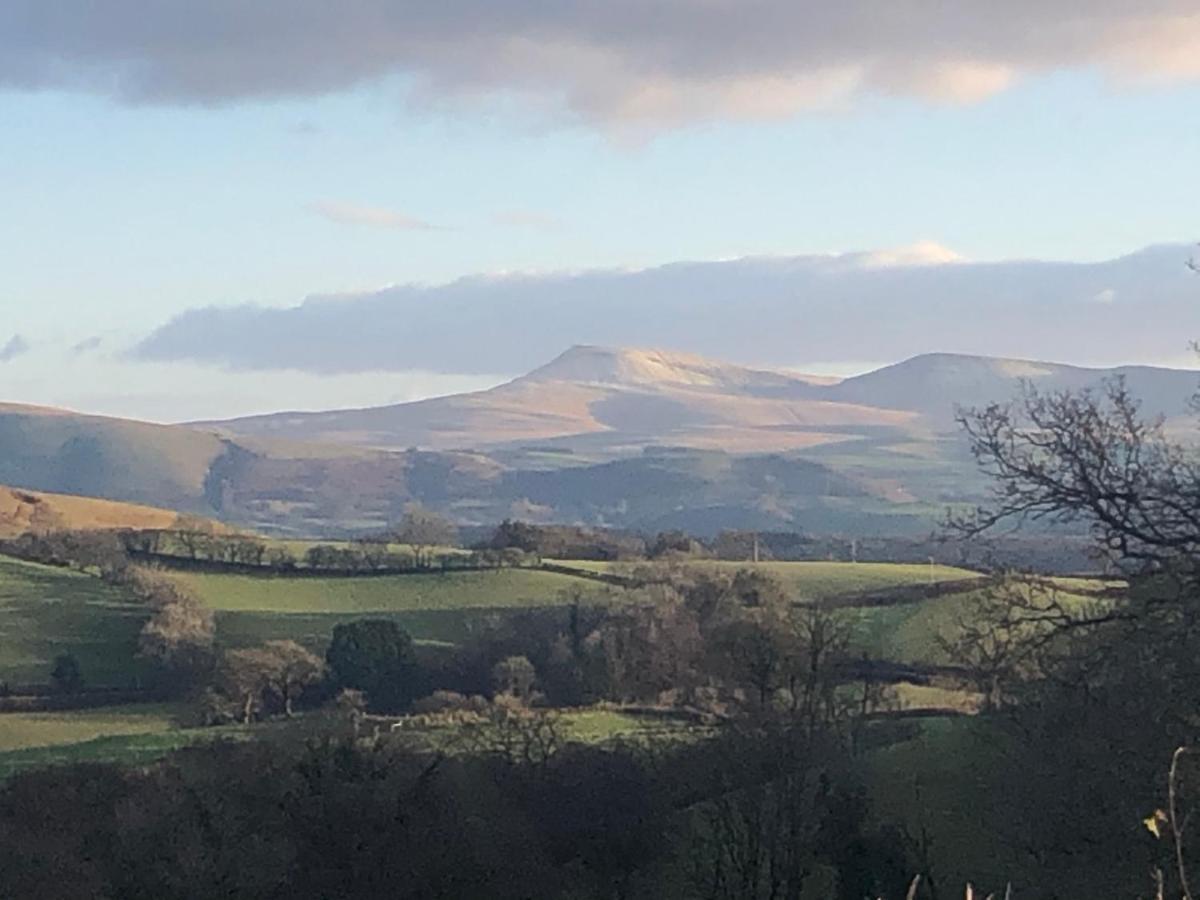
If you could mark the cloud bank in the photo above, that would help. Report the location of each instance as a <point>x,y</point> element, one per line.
<point>769,311</point>
<point>646,61</point>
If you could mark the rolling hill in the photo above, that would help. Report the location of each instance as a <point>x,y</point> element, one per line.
<point>22,510</point>
<point>615,400</point>
<point>630,438</point>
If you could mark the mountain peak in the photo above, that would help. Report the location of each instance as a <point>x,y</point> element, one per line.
<point>651,367</point>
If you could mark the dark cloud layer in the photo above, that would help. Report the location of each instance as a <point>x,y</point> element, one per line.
<point>765,311</point>
<point>650,61</point>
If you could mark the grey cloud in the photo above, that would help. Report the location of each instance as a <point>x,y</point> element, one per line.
<point>776,311</point>
<point>87,345</point>
<point>646,61</point>
<point>16,346</point>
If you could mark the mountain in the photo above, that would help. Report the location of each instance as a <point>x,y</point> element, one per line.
<point>935,384</point>
<point>316,489</point>
<point>600,399</point>
<point>643,439</point>
<point>118,459</point>
<point>608,400</point>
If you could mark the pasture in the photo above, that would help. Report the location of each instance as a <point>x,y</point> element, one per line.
<point>45,611</point>
<point>500,588</point>
<point>434,607</point>
<point>908,632</point>
<point>23,731</point>
<point>813,580</point>
<point>135,734</point>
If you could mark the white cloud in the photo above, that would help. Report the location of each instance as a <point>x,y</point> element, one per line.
<point>1108,295</point>
<point>772,311</point>
<point>922,253</point>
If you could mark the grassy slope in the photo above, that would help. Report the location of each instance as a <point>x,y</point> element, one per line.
<point>434,607</point>
<point>817,580</point>
<point>452,590</point>
<point>137,461</point>
<point>19,507</point>
<point>908,632</point>
<point>132,735</point>
<point>46,611</point>
<point>22,731</point>
<point>443,607</point>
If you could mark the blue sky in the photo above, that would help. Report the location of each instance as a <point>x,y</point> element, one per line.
<point>120,214</point>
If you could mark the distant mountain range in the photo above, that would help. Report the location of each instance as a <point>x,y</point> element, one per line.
<point>632,438</point>
<point>616,400</point>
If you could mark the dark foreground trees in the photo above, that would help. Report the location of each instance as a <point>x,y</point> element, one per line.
<point>348,819</point>
<point>1098,695</point>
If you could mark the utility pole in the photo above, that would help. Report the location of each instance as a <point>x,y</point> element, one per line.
<point>756,546</point>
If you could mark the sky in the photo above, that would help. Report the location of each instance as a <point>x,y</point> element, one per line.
<point>213,208</point>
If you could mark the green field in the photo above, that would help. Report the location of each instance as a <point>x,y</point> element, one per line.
<point>908,632</point>
<point>22,731</point>
<point>502,588</point>
<point>438,607</point>
<point>140,734</point>
<point>430,626</point>
<point>46,611</point>
<point>130,735</point>
<point>816,580</point>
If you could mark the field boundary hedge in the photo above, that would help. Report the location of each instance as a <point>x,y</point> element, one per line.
<point>98,697</point>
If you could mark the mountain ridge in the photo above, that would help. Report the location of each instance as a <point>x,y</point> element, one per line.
<point>600,436</point>
<point>632,396</point>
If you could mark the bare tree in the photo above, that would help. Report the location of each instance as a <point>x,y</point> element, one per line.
<point>1089,458</point>
<point>422,529</point>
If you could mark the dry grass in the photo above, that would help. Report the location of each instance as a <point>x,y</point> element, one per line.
<point>21,510</point>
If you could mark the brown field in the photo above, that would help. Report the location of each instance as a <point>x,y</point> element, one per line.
<point>20,510</point>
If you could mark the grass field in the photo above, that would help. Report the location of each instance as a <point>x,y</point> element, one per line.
<point>46,611</point>
<point>134,734</point>
<point>436,626</point>
<point>908,632</point>
<point>503,588</point>
<point>140,734</point>
<point>819,580</point>
<point>22,731</point>
<point>442,607</point>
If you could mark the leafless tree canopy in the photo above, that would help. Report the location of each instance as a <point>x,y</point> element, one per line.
<point>1089,458</point>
